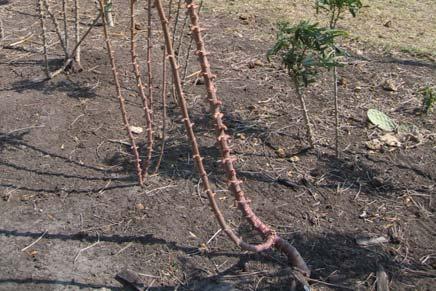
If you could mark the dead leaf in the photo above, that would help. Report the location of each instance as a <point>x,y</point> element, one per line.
<point>390,140</point>
<point>389,85</point>
<point>374,144</point>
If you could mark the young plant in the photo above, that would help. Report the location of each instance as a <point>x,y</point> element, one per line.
<point>304,49</point>
<point>336,8</point>
<point>429,99</point>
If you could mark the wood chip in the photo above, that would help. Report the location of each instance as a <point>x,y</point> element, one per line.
<point>365,241</point>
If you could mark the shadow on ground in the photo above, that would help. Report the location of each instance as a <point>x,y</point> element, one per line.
<point>334,257</point>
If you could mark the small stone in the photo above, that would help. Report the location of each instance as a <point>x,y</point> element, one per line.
<point>389,85</point>
<point>139,206</point>
<point>374,144</point>
<point>243,16</point>
<point>241,136</point>
<point>357,89</point>
<point>259,63</point>
<point>359,52</point>
<point>294,159</point>
<point>342,81</point>
<point>136,129</point>
<point>390,140</point>
<point>280,153</point>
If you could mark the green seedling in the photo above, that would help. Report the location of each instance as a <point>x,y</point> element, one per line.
<point>335,9</point>
<point>304,49</point>
<point>428,100</point>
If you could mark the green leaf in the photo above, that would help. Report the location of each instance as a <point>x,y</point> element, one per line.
<point>381,120</point>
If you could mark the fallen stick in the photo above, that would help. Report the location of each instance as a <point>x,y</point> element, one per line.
<point>35,242</point>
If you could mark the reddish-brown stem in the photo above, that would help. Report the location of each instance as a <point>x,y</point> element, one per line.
<point>164,108</point>
<point>119,94</point>
<point>149,55</point>
<point>227,159</point>
<point>188,50</point>
<point>141,88</point>
<point>271,236</point>
<point>149,76</point>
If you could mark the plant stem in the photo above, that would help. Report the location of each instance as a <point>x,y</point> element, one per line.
<point>194,145</point>
<point>65,19</point>
<point>140,85</point>
<point>188,51</point>
<point>335,92</point>
<point>109,17</point>
<point>77,46</point>
<point>164,108</point>
<point>227,161</point>
<point>56,25</point>
<point>44,37</point>
<point>119,94</point>
<point>2,30</point>
<point>77,31</point>
<point>305,112</point>
<point>150,90</point>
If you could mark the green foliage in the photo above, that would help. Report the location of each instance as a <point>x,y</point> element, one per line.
<point>429,99</point>
<point>381,120</point>
<point>337,7</point>
<point>304,48</point>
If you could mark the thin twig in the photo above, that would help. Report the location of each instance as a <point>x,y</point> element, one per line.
<point>87,248</point>
<point>65,19</point>
<point>120,96</point>
<point>44,37</point>
<point>305,113</point>
<point>35,242</point>
<point>56,25</point>
<point>77,31</point>
<point>188,51</point>
<point>164,109</point>
<point>140,85</point>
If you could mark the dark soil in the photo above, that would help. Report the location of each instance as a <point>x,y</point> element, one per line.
<point>67,179</point>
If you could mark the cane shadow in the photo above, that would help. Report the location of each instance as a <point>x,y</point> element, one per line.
<point>49,283</point>
<point>334,257</point>
<point>73,89</point>
<point>359,174</point>
<point>16,141</point>
<point>408,62</point>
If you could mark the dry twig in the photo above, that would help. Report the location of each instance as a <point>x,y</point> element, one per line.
<point>119,94</point>
<point>140,85</point>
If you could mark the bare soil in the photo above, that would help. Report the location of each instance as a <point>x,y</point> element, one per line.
<point>68,184</point>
